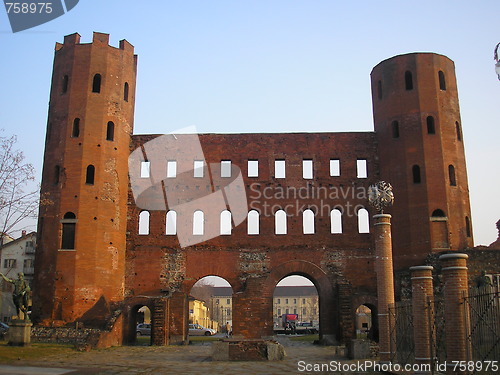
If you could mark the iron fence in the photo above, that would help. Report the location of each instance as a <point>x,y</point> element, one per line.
<point>401,333</point>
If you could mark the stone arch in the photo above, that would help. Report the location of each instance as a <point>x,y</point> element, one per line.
<point>324,287</point>
<point>371,302</point>
<point>131,309</point>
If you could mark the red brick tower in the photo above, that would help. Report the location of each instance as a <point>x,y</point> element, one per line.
<point>82,228</point>
<point>418,130</point>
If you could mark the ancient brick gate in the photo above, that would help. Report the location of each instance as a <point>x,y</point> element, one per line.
<point>138,219</point>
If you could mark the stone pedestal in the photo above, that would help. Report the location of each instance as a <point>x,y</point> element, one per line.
<point>20,333</point>
<point>359,349</point>
<point>247,350</point>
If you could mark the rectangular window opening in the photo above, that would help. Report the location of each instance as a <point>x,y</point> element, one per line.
<point>253,168</point>
<point>362,170</point>
<point>171,169</point>
<point>199,165</point>
<point>307,169</point>
<point>145,169</point>
<point>225,168</point>
<point>334,167</point>
<point>279,169</point>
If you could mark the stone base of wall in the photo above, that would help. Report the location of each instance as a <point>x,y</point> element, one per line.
<point>359,349</point>
<point>247,350</point>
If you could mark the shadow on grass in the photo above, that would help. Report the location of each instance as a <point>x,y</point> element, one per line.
<point>9,354</point>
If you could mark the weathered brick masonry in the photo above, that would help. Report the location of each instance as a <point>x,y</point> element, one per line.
<point>108,268</point>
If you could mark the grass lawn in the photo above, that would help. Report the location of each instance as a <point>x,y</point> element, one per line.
<point>304,338</point>
<point>9,354</point>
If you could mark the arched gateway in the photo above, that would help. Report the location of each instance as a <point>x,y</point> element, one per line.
<point>162,211</point>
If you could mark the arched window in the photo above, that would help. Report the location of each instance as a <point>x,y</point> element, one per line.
<point>336,221</point>
<point>308,221</point>
<point>442,80</point>
<point>171,223</point>
<point>379,89</point>
<point>75,133</point>
<point>144,223</point>
<point>395,129</point>
<point>416,174</point>
<point>438,213</point>
<point>225,223</point>
<point>65,82</point>
<point>408,80</point>
<point>68,231</point>
<point>110,131</point>
<point>96,83</point>
<point>363,221</point>
<point>198,223</point>
<point>280,222</point>
<point>125,91</point>
<point>253,222</point>
<point>57,173</point>
<point>431,128</point>
<point>459,131</point>
<point>451,173</point>
<point>89,179</point>
<point>468,231</point>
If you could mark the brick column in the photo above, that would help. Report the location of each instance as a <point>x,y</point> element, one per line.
<point>385,281</point>
<point>421,285</point>
<point>455,287</point>
<point>178,318</point>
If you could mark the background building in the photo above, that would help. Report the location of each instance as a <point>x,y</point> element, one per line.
<point>15,256</point>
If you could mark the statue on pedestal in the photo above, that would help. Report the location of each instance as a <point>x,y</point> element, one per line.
<point>20,295</point>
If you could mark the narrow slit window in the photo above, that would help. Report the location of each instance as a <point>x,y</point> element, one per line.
<point>280,222</point>
<point>416,174</point>
<point>336,221</point>
<point>308,222</point>
<point>144,223</point>
<point>431,127</point>
<point>468,231</point>
<point>451,173</point>
<point>110,131</point>
<point>96,83</point>
<point>379,89</point>
<point>171,223</point>
<point>395,129</point>
<point>198,223</point>
<point>145,169</point>
<point>198,168</point>
<point>75,133</point>
<point>171,169</point>
<point>225,223</point>
<point>89,178</point>
<point>125,91</point>
<point>334,167</point>
<point>253,168</point>
<point>363,221</point>
<point>459,131</point>
<point>307,169</point>
<point>408,80</point>
<point>362,171</point>
<point>253,222</point>
<point>279,169</point>
<point>225,168</point>
<point>65,83</point>
<point>57,174</point>
<point>442,80</point>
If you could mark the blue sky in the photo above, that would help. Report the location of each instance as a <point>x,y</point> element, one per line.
<point>269,66</point>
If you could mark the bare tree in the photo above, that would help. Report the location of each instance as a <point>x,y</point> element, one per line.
<point>203,291</point>
<point>18,198</point>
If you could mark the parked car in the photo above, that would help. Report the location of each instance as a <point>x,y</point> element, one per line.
<point>197,330</point>
<point>143,329</point>
<point>306,327</point>
<point>3,329</point>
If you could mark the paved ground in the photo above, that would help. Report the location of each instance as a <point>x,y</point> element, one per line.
<point>180,360</point>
